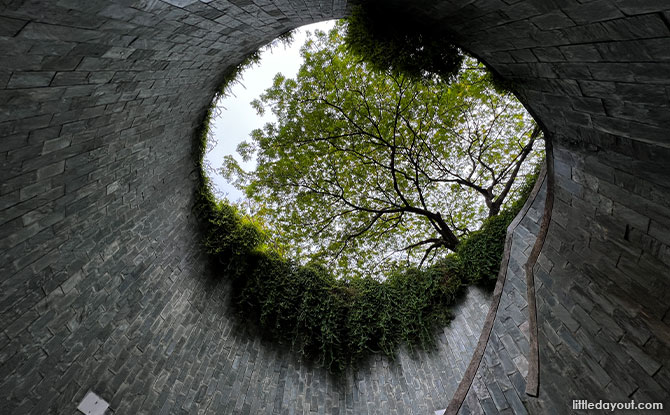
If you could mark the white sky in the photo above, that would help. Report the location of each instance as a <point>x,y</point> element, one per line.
<point>237,118</point>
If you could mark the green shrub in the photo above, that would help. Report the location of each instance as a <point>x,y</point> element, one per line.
<point>481,252</point>
<point>384,38</point>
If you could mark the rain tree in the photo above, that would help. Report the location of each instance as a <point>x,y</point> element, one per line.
<point>365,170</point>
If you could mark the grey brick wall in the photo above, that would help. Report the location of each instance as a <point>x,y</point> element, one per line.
<point>102,283</point>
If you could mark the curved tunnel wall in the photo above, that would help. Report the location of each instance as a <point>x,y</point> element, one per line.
<point>102,283</point>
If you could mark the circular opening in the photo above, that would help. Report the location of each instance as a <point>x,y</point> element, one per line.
<point>360,152</point>
<point>353,183</point>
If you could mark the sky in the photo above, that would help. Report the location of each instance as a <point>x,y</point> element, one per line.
<point>237,118</point>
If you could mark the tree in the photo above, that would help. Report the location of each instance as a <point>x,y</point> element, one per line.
<point>365,168</point>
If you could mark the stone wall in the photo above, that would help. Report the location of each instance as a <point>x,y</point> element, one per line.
<point>103,285</point>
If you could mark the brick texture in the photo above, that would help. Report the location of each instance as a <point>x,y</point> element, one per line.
<point>103,284</point>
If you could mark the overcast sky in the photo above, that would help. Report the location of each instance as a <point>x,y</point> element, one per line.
<point>237,118</point>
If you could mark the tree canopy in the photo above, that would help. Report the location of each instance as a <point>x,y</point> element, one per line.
<point>366,169</point>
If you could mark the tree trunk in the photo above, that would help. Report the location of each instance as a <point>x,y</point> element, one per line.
<point>450,239</point>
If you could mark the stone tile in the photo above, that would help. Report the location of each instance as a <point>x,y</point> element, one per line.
<point>99,73</point>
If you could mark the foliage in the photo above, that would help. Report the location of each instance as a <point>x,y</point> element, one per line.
<point>384,38</point>
<point>366,171</point>
<point>482,250</point>
<point>335,321</point>
<point>234,74</point>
